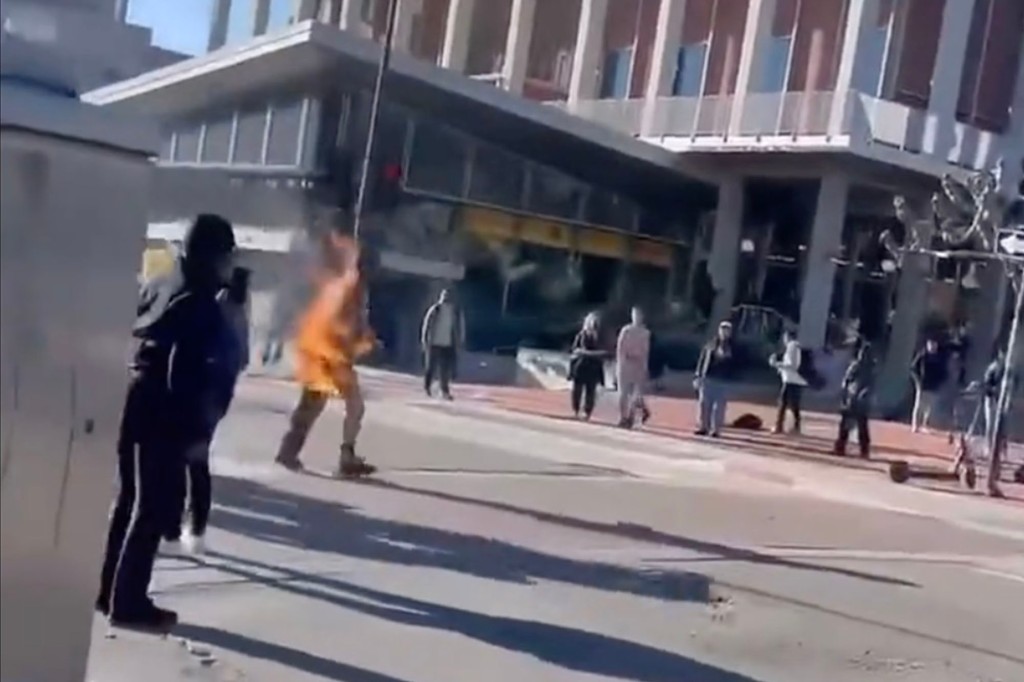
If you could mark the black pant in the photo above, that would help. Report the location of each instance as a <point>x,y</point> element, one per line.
<point>848,419</point>
<point>789,399</point>
<point>149,473</point>
<point>199,492</point>
<point>440,362</point>
<point>584,393</point>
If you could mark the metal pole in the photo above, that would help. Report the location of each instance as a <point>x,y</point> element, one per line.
<point>995,437</point>
<point>371,133</point>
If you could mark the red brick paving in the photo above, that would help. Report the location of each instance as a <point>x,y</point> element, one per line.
<point>676,417</point>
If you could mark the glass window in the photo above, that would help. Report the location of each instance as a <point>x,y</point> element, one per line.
<point>437,162</point>
<point>775,65</point>
<point>283,143</point>
<point>282,13</point>
<point>554,194</point>
<point>166,146</point>
<point>867,73</point>
<point>188,144</point>
<point>240,21</point>
<point>616,72</point>
<point>249,138</point>
<point>689,70</point>
<point>217,141</point>
<point>611,209</point>
<point>497,177</point>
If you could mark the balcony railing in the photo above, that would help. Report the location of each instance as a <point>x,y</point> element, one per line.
<point>866,120</point>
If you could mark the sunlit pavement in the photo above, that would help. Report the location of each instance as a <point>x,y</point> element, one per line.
<point>501,546</point>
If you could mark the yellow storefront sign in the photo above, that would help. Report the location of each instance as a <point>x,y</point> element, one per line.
<point>601,243</point>
<point>651,252</point>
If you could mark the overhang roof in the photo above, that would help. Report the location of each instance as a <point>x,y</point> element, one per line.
<point>315,52</point>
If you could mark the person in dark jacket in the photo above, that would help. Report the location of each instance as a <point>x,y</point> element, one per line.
<point>715,369</point>
<point>930,372</point>
<point>586,367</point>
<point>174,401</point>
<point>855,405</point>
<point>234,300</point>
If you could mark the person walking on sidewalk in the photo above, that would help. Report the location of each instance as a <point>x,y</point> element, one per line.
<point>793,383</point>
<point>855,405</point>
<point>173,404</point>
<point>586,366</point>
<point>333,334</point>
<point>632,353</point>
<point>441,334</point>
<point>715,369</point>
<point>930,372</point>
<point>199,493</point>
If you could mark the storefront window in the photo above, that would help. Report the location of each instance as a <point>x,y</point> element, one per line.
<point>217,140</point>
<point>554,194</point>
<point>437,162</point>
<point>249,137</point>
<point>283,142</point>
<point>188,144</point>
<point>497,178</point>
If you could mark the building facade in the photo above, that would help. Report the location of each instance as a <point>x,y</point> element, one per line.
<point>806,116</point>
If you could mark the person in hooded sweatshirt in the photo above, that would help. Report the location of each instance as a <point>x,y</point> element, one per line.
<point>179,373</point>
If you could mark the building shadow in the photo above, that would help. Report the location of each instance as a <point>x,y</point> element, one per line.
<point>257,511</point>
<point>565,647</point>
<point>291,658</point>
<point>645,534</point>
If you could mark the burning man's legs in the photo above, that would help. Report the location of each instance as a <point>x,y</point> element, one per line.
<point>311,405</point>
<point>350,464</point>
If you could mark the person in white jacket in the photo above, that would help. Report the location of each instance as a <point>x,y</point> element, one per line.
<point>788,366</point>
<point>632,353</point>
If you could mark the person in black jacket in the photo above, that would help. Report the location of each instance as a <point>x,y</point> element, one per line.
<point>930,372</point>
<point>180,378</point>
<point>716,368</point>
<point>586,367</point>
<point>855,406</point>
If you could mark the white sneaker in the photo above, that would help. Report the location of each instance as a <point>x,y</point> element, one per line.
<point>193,544</point>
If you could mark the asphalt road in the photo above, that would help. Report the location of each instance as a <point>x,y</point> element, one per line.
<point>499,549</point>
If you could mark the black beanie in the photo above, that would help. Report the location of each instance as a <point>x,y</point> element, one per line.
<point>209,238</point>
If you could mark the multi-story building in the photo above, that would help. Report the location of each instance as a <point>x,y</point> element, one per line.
<point>101,48</point>
<point>693,154</point>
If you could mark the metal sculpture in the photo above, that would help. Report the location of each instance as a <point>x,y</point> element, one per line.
<point>969,220</point>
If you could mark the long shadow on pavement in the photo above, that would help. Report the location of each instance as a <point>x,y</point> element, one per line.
<point>286,656</point>
<point>568,648</point>
<point>644,534</point>
<point>251,509</point>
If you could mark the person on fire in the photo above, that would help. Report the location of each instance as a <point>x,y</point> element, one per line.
<point>174,401</point>
<point>333,333</point>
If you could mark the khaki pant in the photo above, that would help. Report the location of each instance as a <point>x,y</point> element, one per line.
<point>311,405</point>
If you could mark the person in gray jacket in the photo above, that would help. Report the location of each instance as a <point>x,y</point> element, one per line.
<point>443,331</point>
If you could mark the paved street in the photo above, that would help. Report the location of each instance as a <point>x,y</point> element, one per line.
<point>506,547</point>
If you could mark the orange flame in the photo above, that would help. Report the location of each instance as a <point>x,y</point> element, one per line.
<point>332,332</point>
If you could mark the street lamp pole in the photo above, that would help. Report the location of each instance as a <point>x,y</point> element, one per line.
<point>371,133</point>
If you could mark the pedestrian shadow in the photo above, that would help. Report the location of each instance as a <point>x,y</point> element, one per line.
<point>645,534</point>
<point>254,510</point>
<point>268,651</point>
<point>568,648</point>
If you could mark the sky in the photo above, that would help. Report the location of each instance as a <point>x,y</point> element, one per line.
<point>179,25</point>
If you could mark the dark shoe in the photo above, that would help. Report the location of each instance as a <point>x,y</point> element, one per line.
<point>102,605</point>
<point>447,396</point>
<point>428,391</point>
<point>625,423</point>
<point>716,434</point>
<point>289,464</point>
<point>700,432</point>
<point>148,619</point>
<point>351,465</point>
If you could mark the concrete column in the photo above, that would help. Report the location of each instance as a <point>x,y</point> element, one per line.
<point>861,16</point>
<point>405,22</point>
<point>305,9</point>
<point>756,34</point>
<point>664,59</point>
<point>819,270</point>
<point>455,49</point>
<point>260,17</point>
<point>218,25</point>
<point>517,44</point>
<point>912,288</point>
<point>946,76</point>
<point>121,11</point>
<point>725,247</point>
<point>586,61</point>
<point>345,14</point>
